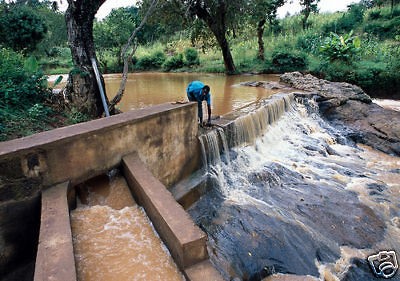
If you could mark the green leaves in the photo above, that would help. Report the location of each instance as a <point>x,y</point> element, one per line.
<point>31,64</point>
<point>340,47</point>
<point>23,92</point>
<point>21,28</point>
<point>21,81</point>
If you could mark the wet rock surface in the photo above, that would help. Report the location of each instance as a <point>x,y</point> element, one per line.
<point>351,110</point>
<point>302,200</point>
<point>297,224</point>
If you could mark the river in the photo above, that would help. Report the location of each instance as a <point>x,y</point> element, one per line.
<point>145,89</point>
<point>113,237</point>
<point>301,200</point>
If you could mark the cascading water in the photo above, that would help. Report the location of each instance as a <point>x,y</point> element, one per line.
<point>113,237</point>
<point>248,127</point>
<point>298,198</point>
<point>212,145</point>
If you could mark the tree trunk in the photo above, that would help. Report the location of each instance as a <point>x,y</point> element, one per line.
<point>226,52</point>
<point>82,91</point>
<point>391,8</point>
<point>260,33</point>
<point>304,20</point>
<point>217,26</point>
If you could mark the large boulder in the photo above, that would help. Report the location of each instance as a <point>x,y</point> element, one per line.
<point>348,107</point>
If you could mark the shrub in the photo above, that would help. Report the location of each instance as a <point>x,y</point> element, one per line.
<point>378,79</point>
<point>340,47</point>
<point>75,117</point>
<point>374,15</point>
<point>23,91</point>
<point>309,42</point>
<point>384,29</point>
<point>152,61</point>
<point>174,62</point>
<point>284,61</point>
<point>191,56</point>
<point>21,82</point>
<point>21,28</point>
<point>349,21</point>
<point>338,71</point>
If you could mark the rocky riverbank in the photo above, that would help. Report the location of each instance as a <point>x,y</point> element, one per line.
<point>348,108</point>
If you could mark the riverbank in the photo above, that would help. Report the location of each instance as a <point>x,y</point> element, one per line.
<point>347,107</point>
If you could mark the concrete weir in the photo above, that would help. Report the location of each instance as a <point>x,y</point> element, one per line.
<point>156,147</point>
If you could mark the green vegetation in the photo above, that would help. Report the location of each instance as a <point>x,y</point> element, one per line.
<point>359,46</point>
<point>23,93</point>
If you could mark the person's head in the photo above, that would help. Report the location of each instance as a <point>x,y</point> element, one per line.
<point>206,90</point>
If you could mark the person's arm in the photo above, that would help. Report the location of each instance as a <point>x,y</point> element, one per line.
<point>209,114</point>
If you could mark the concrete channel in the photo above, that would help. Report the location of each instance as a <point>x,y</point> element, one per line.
<point>155,147</point>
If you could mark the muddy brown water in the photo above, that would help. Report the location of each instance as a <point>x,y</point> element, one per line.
<point>145,89</point>
<point>303,212</point>
<point>113,237</point>
<point>301,199</point>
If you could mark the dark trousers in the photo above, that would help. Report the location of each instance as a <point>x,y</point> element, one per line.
<point>191,97</point>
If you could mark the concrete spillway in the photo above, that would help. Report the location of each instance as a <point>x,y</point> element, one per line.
<point>156,149</point>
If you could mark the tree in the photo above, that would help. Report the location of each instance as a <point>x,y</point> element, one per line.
<point>82,90</point>
<point>21,28</point>
<point>308,7</point>
<point>262,11</point>
<point>113,32</point>
<point>127,57</point>
<point>57,31</point>
<point>166,21</point>
<point>213,13</point>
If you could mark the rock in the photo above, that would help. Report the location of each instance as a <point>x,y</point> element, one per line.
<point>265,84</point>
<point>327,90</point>
<point>347,106</point>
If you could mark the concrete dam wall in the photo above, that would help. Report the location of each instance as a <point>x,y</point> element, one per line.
<point>38,174</point>
<point>163,136</point>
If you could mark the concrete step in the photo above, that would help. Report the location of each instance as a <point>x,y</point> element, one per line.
<point>203,271</point>
<point>189,190</point>
<point>185,240</point>
<point>55,255</point>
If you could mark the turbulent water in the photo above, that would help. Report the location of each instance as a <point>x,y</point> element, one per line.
<point>113,237</point>
<point>300,199</point>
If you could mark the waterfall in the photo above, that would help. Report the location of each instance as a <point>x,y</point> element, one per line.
<point>247,128</point>
<point>243,130</point>
<point>297,197</point>
<point>212,145</point>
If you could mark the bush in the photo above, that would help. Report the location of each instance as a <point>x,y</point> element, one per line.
<point>75,117</point>
<point>152,61</point>
<point>309,42</point>
<point>283,61</point>
<point>340,47</point>
<point>23,91</point>
<point>21,82</point>
<point>338,71</point>
<point>174,62</point>
<point>349,21</point>
<point>191,56</point>
<point>378,79</point>
<point>384,29</point>
<point>21,28</point>
<point>374,15</point>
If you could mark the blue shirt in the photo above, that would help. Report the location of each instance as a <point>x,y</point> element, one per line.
<point>195,88</point>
